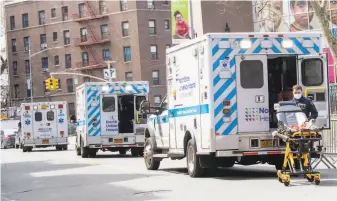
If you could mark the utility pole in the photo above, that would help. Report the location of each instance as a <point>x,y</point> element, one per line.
<point>30,74</point>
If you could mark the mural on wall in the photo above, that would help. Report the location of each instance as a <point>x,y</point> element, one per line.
<point>293,16</point>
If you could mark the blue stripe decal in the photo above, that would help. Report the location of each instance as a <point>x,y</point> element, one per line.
<point>299,45</point>
<point>92,95</point>
<point>97,132</point>
<point>275,50</point>
<point>135,88</point>
<point>188,111</point>
<point>257,49</point>
<point>231,126</point>
<point>228,98</point>
<point>93,111</point>
<point>221,122</point>
<point>316,48</point>
<point>161,118</point>
<point>222,57</point>
<point>224,87</point>
<point>92,128</point>
<point>92,119</point>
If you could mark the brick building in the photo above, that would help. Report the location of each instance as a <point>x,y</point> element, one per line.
<point>75,36</point>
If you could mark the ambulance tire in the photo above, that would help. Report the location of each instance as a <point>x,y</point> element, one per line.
<point>122,151</point>
<point>92,153</point>
<point>65,147</point>
<point>150,162</point>
<point>58,147</point>
<point>84,151</point>
<point>134,152</point>
<point>24,149</point>
<point>193,165</point>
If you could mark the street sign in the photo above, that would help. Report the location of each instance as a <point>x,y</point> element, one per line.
<point>109,73</point>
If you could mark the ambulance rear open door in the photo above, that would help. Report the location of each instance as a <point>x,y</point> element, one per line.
<point>313,77</point>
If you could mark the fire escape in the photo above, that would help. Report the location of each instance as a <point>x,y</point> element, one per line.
<point>88,38</point>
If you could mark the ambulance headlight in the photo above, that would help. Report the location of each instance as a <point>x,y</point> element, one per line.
<point>245,44</point>
<point>105,88</point>
<point>287,44</point>
<point>128,88</point>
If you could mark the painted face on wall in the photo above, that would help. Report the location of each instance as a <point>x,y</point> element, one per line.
<point>269,14</point>
<point>333,9</point>
<point>302,11</point>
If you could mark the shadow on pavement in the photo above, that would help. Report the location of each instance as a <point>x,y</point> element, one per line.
<point>119,156</point>
<point>18,184</point>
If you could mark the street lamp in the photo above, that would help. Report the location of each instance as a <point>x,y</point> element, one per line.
<point>30,67</point>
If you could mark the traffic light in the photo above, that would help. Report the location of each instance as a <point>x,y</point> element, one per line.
<point>47,83</point>
<point>56,83</point>
<point>51,84</point>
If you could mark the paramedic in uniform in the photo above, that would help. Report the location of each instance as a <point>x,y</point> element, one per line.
<point>306,104</point>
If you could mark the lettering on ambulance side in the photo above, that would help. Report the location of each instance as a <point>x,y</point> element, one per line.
<point>111,125</point>
<point>185,86</point>
<point>256,114</point>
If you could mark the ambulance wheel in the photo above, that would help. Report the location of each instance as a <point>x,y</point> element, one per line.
<point>286,183</point>
<point>84,151</point>
<point>134,152</point>
<point>141,152</point>
<point>150,162</point>
<point>30,149</point>
<point>317,182</point>
<point>65,147</point>
<point>122,151</point>
<point>24,149</point>
<point>193,166</point>
<point>58,147</point>
<point>92,153</point>
<point>16,146</point>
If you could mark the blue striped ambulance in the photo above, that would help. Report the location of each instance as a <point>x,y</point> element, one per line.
<point>107,117</point>
<point>222,87</point>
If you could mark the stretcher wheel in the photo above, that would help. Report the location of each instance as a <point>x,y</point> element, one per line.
<point>317,182</point>
<point>280,180</point>
<point>286,183</point>
<point>310,179</point>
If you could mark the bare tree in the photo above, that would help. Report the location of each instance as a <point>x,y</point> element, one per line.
<point>321,7</point>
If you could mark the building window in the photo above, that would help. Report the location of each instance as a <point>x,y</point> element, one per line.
<point>157,100</point>
<point>104,32</point>
<point>86,79</point>
<point>71,107</point>
<point>53,12</point>
<point>106,54</point>
<point>56,60</point>
<point>54,36</point>
<point>124,5</point>
<point>41,17</point>
<point>16,91</point>
<point>152,27</point>
<point>128,76</point>
<point>70,85</point>
<point>154,54</point>
<point>127,54</point>
<point>13,45</point>
<point>26,43</point>
<point>85,59</point>
<point>68,60</point>
<point>84,34</point>
<point>167,25</point>
<point>64,13</point>
<point>27,68</point>
<point>81,10</point>
<point>66,37</point>
<point>44,61</point>
<point>102,7</point>
<point>125,28</point>
<point>12,22</point>
<point>25,22</point>
<point>43,41</point>
<point>155,77</point>
<point>59,83</point>
<point>15,67</point>
<point>150,4</point>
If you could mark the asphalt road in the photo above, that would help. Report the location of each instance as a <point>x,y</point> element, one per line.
<point>49,175</point>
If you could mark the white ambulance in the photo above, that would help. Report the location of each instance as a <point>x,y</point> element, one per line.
<point>222,88</point>
<point>108,117</point>
<point>44,124</point>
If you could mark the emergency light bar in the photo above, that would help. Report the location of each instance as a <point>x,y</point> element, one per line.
<point>52,107</point>
<point>287,44</point>
<point>128,88</point>
<point>35,107</point>
<point>245,44</point>
<point>27,108</point>
<point>60,106</point>
<point>44,107</point>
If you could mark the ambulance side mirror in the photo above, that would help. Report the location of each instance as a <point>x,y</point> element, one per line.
<point>145,107</point>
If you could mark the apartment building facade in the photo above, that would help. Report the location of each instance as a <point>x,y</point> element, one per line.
<point>79,37</point>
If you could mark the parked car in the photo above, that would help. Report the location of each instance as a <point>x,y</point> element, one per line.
<point>8,138</point>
